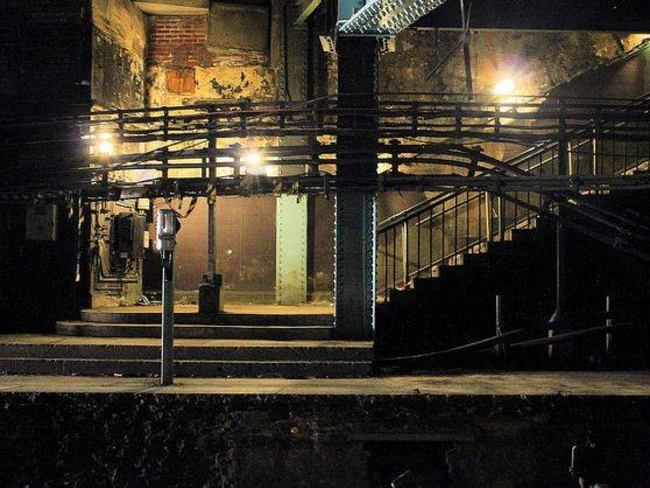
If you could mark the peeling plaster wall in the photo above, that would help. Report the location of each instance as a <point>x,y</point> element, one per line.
<point>179,44</point>
<point>119,45</point>
<point>538,61</point>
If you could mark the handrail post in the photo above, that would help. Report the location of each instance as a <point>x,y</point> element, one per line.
<point>489,208</point>
<point>502,217</point>
<point>405,252</point>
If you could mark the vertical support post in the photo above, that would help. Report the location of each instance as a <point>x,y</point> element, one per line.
<point>210,302</point>
<point>291,250</point>
<point>166,227</point>
<point>212,228</point>
<point>608,323</point>
<point>292,219</point>
<point>558,322</point>
<point>356,220</point>
<point>466,51</point>
<point>405,252</point>
<point>167,361</point>
<point>502,217</point>
<point>500,349</point>
<point>489,217</point>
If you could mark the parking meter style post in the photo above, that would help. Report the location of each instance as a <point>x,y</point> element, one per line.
<point>166,228</point>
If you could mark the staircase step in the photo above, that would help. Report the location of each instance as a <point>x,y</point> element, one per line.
<point>154,317</point>
<point>182,368</point>
<point>211,351</point>
<point>450,273</point>
<point>498,247</point>
<point>426,285</point>
<point>195,331</point>
<point>475,260</point>
<point>522,235</point>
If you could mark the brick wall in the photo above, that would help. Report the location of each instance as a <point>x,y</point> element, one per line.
<point>182,41</point>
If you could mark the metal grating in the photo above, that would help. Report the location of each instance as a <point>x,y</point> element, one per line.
<point>387,17</point>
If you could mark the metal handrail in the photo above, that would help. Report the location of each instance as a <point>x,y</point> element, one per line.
<point>426,208</point>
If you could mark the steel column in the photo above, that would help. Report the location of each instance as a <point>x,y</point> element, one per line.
<point>212,203</point>
<point>356,220</point>
<point>355,265</point>
<point>291,250</point>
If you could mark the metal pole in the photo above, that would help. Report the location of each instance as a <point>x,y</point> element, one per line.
<point>405,252</point>
<point>558,321</point>
<point>502,218</point>
<point>608,322</point>
<point>167,362</point>
<point>212,231</point>
<point>500,348</point>
<point>166,227</point>
<point>489,217</point>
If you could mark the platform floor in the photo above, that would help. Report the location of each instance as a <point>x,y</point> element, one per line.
<point>522,384</point>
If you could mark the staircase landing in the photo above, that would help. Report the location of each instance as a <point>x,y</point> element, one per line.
<point>254,322</point>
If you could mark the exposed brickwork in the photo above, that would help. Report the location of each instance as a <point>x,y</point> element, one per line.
<point>182,41</point>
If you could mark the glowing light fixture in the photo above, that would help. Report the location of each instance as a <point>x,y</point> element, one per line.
<point>105,148</point>
<point>253,158</point>
<point>506,86</point>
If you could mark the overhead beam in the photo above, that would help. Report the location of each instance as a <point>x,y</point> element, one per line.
<point>174,7</point>
<point>545,15</point>
<point>305,9</point>
<point>382,17</point>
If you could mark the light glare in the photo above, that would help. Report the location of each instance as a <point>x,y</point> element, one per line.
<point>105,148</point>
<point>253,158</point>
<point>505,86</point>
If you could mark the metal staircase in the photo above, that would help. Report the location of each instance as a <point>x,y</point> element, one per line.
<point>442,229</point>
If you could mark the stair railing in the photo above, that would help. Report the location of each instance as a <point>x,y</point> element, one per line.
<point>439,230</point>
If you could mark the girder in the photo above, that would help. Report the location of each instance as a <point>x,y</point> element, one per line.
<point>382,17</point>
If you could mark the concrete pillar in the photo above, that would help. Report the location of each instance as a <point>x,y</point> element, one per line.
<point>356,220</point>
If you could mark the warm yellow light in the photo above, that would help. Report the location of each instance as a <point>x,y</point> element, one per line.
<point>105,148</point>
<point>253,158</point>
<point>106,135</point>
<point>505,86</point>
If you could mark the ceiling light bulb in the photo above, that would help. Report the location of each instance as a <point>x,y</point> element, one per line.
<point>254,158</point>
<point>105,148</point>
<point>505,86</point>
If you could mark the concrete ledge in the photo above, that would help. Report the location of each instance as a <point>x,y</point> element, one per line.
<point>517,385</point>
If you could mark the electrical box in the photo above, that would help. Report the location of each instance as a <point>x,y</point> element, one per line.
<point>41,223</point>
<point>127,236</point>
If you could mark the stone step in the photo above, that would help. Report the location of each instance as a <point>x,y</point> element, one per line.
<point>182,368</point>
<point>523,235</point>
<point>212,351</point>
<point>195,331</point>
<point>144,316</point>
